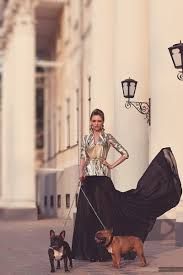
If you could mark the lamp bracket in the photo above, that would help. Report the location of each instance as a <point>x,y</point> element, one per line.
<point>180,75</point>
<point>142,107</point>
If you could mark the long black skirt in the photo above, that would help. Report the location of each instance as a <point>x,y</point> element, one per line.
<point>128,213</point>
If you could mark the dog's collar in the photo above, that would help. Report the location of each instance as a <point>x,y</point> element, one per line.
<point>110,241</point>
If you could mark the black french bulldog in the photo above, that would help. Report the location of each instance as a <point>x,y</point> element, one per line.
<point>58,250</point>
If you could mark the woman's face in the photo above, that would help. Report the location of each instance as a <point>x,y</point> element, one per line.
<point>96,123</point>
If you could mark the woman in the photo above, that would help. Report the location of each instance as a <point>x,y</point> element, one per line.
<point>129,213</point>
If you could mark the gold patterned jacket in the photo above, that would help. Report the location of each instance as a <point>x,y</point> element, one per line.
<point>94,154</point>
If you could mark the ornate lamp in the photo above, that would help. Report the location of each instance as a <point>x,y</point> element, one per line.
<point>176,53</point>
<point>129,87</point>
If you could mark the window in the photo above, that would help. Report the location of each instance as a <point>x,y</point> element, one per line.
<point>76,200</point>
<point>77,115</point>
<point>45,201</point>
<point>40,82</point>
<point>67,200</point>
<point>51,201</point>
<point>68,122</point>
<point>59,201</point>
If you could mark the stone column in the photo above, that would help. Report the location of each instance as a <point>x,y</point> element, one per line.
<point>102,89</point>
<point>131,52</point>
<point>167,97</point>
<point>18,118</point>
<point>102,77</point>
<point>122,53</point>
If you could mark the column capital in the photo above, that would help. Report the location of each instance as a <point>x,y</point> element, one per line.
<point>25,13</point>
<point>17,12</point>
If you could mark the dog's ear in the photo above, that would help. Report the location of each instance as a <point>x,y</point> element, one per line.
<point>62,234</point>
<point>52,233</point>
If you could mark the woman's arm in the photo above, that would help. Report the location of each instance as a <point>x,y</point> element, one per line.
<point>116,163</point>
<point>124,154</point>
<point>82,160</point>
<point>81,169</point>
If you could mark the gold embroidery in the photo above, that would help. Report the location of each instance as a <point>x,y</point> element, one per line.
<point>94,154</point>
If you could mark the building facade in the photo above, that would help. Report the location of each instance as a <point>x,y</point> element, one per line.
<point>60,60</point>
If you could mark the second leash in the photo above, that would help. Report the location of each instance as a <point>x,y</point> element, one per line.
<point>92,207</point>
<point>79,184</point>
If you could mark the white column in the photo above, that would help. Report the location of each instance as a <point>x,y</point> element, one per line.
<point>166,89</point>
<point>102,82</point>
<point>131,60</point>
<point>18,115</point>
<point>102,64</point>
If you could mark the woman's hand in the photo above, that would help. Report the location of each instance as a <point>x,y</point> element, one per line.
<point>107,164</point>
<point>82,178</point>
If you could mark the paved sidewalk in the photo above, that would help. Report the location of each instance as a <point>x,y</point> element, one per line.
<point>24,248</point>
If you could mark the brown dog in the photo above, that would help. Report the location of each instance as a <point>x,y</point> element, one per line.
<point>119,245</point>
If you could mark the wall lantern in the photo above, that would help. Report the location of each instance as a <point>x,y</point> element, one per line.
<point>176,53</point>
<point>129,87</point>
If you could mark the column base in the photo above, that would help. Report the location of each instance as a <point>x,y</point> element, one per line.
<point>18,214</point>
<point>164,229</point>
<point>179,235</point>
